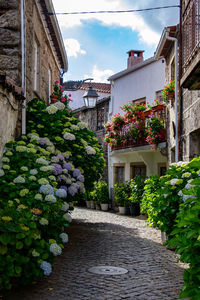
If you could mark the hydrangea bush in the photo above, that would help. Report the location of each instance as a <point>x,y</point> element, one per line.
<point>186,235</point>
<point>172,204</point>
<point>69,135</point>
<point>33,210</point>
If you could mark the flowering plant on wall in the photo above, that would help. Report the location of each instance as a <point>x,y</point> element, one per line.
<point>153,130</point>
<point>168,89</point>
<point>133,127</point>
<point>58,90</point>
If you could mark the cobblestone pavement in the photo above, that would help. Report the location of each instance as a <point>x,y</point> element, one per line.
<point>104,238</point>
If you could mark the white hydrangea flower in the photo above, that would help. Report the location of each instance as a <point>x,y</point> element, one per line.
<point>2,173</point>
<point>46,168</point>
<point>186,175</point>
<point>65,206</point>
<point>51,109</point>
<point>59,105</point>
<point>21,149</point>
<point>43,181</point>
<point>55,249</point>
<point>9,153</point>
<point>5,160</point>
<point>67,217</point>
<point>90,150</point>
<point>32,178</point>
<point>69,136</point>
<point>44,221</point>
<point>19,179</point>
<point>33,172</point>
<point>42,161</point>
<point>35,253</point>
<point>24,168</point>
<point>64,237</point>
<point>74,127</point>
<point>82,125</point>
<point>50,198</point>
<point>38,197</point>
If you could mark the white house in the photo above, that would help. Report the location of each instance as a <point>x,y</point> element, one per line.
<point>142,81</point>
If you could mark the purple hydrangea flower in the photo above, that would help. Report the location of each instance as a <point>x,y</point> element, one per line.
<point>63,187</point>
<point>42,141</point>
<point>61,193</point>
<point>76,173</point>
<point>57,169</point>
<point>81,178</point>
<point>62,177</point>
<point>60,157</point>
<point>46,189</point>
<point>72,190</point>
<point>67,166</point>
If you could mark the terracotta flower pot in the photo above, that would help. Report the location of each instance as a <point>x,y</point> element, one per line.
<point>170,96</point>
<point>54,98</point>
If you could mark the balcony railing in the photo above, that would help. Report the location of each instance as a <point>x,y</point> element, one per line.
<point>159,112</point>
<point>190,32</point>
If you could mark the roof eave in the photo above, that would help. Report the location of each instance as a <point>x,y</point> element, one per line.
<point>132,69</point>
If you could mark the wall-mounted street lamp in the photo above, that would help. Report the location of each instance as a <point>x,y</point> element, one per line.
<point>90,97</point>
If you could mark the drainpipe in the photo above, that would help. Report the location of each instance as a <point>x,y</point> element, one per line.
<point>175,40</point>
<point>23,65</point>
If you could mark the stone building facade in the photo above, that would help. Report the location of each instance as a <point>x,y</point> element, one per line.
<point>166,49</point>
<point>190,80</point>
<point>32,55</point>
<point>95,118</point>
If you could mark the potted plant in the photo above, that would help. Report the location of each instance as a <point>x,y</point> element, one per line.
<point>137,189</point>
<point>57,94</point>
<point>168,91</point>
<point>122,194</point>
<point>100,195</point>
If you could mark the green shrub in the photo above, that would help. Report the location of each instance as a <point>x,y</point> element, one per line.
<point>150,199</point>
<point>137,187</point>
<point>186,235</point>
<point>100,192</point>
<point>67,134</point>
<point>122,192</point>
<point>33,211</point>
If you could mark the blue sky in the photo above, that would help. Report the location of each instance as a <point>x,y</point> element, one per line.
<point>96,44</point>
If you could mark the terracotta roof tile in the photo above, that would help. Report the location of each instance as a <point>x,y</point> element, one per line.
<point>98,86</point>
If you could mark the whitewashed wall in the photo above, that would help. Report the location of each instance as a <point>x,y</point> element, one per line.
<point>143,82</point>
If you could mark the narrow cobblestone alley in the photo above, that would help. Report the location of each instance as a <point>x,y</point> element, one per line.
<point>102,238</point>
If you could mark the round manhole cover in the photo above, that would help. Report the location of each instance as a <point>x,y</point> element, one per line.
<point>108,270</point>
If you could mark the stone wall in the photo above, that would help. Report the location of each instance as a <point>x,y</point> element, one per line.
<point>10,49</point>
<point>89,116</point>
<point>35,32</point>
<point>191,124</point>
<point>9,114</point>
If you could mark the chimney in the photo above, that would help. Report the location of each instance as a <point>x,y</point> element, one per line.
<point>134,57</point>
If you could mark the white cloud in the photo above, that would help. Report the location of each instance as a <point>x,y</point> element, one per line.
<point>130,20</point>
<point>99,75</point>
<point>73,47</point>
